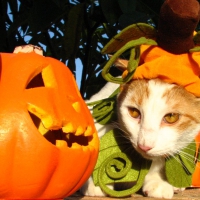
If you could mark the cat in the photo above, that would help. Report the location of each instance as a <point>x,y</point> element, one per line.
<point>159,119</point>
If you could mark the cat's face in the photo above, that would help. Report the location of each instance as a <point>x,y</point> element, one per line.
<point>159,118</point>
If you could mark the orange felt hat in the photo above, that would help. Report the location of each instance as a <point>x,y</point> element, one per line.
<point>171,60</point>
<point>182,69</point>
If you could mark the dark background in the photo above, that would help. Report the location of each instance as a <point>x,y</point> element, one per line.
<point>71,30</point>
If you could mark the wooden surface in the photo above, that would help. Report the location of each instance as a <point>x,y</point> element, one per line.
<point>189,194</point>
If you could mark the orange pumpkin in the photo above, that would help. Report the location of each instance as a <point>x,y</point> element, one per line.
<point>48,142</point>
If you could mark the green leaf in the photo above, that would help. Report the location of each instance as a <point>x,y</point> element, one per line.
<point>180,167</point>
<point>42,14</point>
<point>110,10</point>
<point>127,6</point>
<point>73,30</point>
<point>131,32</point>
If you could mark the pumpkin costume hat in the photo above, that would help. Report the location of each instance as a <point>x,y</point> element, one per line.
<point>172,60</point>
<point>170,53</point>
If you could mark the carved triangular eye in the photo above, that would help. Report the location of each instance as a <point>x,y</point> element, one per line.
<point>37,81</point>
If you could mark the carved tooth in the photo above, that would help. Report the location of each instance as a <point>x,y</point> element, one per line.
<point>42,129</point>
<point>88,131</point>
<point>76,146</point>
<point>61,143</point>
<point>77,107</point>
<point>79,131</point>
<point>68,128</point>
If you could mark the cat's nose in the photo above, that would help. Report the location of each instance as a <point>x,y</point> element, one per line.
<point>144,148</point>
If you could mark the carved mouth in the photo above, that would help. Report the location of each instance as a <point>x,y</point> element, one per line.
<point>62,136</point>
<point>65,136</point>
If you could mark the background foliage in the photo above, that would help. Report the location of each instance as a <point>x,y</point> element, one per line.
<point>72,29</point>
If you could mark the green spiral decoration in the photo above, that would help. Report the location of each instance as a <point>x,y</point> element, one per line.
<point>134,47</point>
<point>120,162</point>
<point>117,160</point>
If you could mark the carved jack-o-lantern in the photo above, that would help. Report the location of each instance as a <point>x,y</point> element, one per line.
<point>48,142</point>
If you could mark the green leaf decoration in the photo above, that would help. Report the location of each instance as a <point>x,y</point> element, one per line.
<point>104,110</point>
<point>179,168</point>
<point>118,162</point>
<point>134,47</point>
<point>195,49</point>
<point>132,32</point>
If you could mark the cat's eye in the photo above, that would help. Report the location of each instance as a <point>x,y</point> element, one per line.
<point>134,112</point>
<point>171,118</point>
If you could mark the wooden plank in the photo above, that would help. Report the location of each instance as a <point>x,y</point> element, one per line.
<point>189,194</point>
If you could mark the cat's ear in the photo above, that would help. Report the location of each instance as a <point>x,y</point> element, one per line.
<point>121,64</point>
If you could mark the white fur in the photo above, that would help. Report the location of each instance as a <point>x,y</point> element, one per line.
<point>154,183</point>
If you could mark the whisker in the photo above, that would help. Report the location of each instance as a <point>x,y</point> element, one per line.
<point>189,157</point>
<point>192,150</point>
<point>181,164</point>
<point>123,132</point>
<point>171,149</point>
<point>189,142</point>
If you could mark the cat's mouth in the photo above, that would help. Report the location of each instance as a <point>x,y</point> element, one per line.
<point>145,153</point>
<point>149,154</point>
